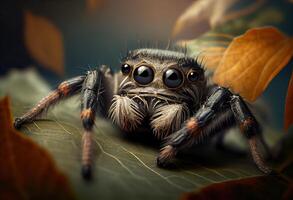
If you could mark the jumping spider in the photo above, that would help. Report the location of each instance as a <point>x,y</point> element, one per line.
<point>166,90</point>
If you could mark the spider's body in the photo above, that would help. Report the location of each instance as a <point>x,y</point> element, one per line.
<point>146,95</point>
<point>165,90</point>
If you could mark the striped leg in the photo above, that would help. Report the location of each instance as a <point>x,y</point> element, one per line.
<point>203,124</point>
<point>250,128</point>
<point>199,126</point>
<point>183,139</point>
<point>65,89</point>
<point>90,99</point>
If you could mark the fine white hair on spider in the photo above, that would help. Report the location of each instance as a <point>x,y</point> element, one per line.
<point>125,113</point>
<point>168,118</point>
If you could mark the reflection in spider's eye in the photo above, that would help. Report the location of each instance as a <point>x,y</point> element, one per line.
<point>172,78</point>
<point>193,76</point>
<point>125,69</point>
<point>143,75</point>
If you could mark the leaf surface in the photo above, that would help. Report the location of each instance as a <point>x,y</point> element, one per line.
<point>124,168</point>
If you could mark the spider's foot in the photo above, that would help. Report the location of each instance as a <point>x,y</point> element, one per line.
<point>266,169</point>
<point>166,157</point>
<point>86,172</point>
<point>17,123</point>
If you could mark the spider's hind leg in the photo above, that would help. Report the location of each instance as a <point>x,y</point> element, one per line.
<point>65,89</point>
<point>250,128</point>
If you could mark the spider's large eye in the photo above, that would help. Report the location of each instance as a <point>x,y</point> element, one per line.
<point>172,78</point>
<point>143,75</point>
<point>125,69</point>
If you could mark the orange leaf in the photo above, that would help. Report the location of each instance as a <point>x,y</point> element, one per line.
<point>44,42</point>
<point>252,60</point>
<point>27,171</point>
<point>289,105</point>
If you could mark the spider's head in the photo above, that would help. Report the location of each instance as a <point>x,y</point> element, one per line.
<point>158,86</point>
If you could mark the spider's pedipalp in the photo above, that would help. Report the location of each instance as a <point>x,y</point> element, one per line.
<point>126,113</point>
<point>167,118</point>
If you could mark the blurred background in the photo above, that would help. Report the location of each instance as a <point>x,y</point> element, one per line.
<point>64,38</point>
<point>93,32</point>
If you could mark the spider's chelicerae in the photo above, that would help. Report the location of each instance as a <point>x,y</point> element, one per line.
<point>165,90</point>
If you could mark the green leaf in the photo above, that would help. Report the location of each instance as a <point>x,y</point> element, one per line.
<point>124,169</point>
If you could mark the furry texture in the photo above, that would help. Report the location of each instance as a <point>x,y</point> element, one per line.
<point>125,113</point>
<point>166,109</point>
<point>168,118</point>
<point>181,57</point>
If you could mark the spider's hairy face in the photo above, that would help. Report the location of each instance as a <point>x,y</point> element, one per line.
<point>159,88</point>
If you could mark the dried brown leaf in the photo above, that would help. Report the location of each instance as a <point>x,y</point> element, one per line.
<point>219,11</point>
<point>195,20</point>
<point>262,187</point>
<point>289,105</point>
<point>204,15</point>
<point>275,186</point>
<point>27,171</point>
<point>44,42</point>
<point>252,60</point>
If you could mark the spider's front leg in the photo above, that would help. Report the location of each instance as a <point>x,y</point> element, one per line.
<point>90,100</point>
<point>208,119</point>
<point>64,90</point>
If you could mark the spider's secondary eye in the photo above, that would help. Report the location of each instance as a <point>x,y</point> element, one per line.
<point>125,69</point>
<point>143,75</point>
<point>193,76</point>
<point>172,78</point>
